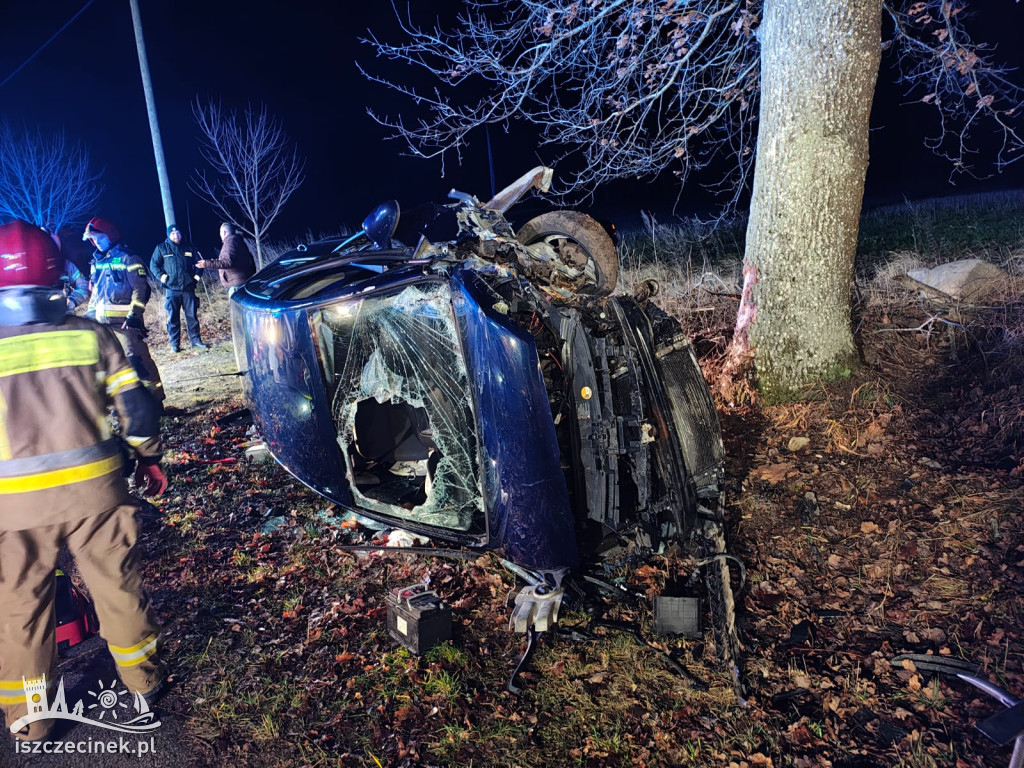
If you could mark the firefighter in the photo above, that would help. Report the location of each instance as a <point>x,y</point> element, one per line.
<point>61,479</point>
<point>76,285</point>
<point>119,295</point>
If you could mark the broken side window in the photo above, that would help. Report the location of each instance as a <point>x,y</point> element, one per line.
<point>397,383</point>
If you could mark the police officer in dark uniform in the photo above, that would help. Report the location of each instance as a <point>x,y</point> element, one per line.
<point>174,265</point>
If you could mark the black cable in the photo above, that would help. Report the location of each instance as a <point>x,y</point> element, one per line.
<point>41,47</point>
<point>620,593</point>
<point>708,560</point>
<point>633,629</point>
<point>531,640</point>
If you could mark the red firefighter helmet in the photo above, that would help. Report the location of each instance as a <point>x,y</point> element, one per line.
<point>28,256</point>
<point>103,227</point>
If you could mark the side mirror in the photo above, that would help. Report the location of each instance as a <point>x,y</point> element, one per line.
<point>380,225</point>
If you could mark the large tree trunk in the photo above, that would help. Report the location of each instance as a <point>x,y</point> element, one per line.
<point>819,64</point>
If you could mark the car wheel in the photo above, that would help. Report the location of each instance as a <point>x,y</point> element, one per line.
<point>576,239</point>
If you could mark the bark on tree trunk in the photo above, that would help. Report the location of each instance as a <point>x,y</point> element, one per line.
<point>819,64</point>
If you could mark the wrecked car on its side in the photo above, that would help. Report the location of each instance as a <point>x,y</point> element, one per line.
<point>443,373</point>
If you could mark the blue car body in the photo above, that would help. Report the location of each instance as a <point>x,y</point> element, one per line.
<point>451,398</point>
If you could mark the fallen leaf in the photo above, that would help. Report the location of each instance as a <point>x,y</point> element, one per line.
<point>874,431</point>
<point>868,527</point>
<point>796,443</point>
<point>801,678</point>
<point>934,635</point>
<point>775,473</point>
<point>799,733</point>
<point>997,636</point>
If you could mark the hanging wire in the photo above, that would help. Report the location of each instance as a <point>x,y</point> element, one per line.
<point>41,47</point>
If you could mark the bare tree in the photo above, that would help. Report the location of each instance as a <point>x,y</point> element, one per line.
<point>256,167</point>
<point>634,88</point>
<point>809,178</point>
<point>44,179</point>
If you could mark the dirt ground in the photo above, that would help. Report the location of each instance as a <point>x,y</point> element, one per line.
<point>196,380</point>
<point>876,519</point>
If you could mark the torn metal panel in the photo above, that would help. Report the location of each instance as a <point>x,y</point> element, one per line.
<point>527,499</point>
<point>287,400</point>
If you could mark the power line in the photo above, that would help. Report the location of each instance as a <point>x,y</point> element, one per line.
<point>40,48</point>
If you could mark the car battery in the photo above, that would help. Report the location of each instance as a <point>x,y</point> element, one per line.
<point>418,618</point>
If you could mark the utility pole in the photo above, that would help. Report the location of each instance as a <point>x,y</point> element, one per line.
<point>154,127</point>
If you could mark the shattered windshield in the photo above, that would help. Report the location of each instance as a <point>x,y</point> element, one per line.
<point>397,383</point>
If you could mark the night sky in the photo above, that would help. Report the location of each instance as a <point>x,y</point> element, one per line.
<point>299,60</point>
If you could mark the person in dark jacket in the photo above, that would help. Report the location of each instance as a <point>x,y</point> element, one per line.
<point>234,261</point>
<point>119,295</point>
<point>62,484</point>
<point>174,265</point>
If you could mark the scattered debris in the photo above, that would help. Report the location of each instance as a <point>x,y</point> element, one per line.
<point>677,616</point>
<point>536,608</point>
<point>402,538</point>
<point>258,452</point>
<point>797,443</point>
<point>418,619</point>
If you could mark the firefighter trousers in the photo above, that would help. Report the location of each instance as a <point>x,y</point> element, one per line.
<point>137,351</point>
<point>105,548</point>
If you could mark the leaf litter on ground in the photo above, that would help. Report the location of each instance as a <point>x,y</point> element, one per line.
<point>915,544</point>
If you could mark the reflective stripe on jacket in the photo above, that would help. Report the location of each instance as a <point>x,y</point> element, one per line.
<point>76,285</point>
<point>58,458</point>
<point>119,286</point>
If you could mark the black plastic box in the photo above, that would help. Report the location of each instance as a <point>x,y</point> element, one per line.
<point>418,618</point>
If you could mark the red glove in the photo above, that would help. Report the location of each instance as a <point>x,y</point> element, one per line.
<point>150,479</point>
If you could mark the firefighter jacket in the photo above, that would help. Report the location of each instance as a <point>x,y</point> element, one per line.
<point>76,285</point>
<point>174,265</point>
<point>119,287</point>
<point>59,460</point>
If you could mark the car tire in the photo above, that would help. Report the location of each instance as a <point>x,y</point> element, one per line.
<point>581,230</point>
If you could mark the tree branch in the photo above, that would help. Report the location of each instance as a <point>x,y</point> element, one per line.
<point>255,170</point>
<point>44,180</point>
